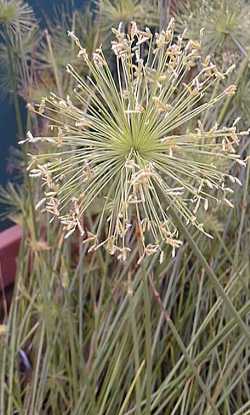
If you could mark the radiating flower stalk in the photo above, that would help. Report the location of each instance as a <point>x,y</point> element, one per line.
<point>133,137</point>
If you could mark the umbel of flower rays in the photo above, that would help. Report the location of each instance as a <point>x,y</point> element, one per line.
<point>125,136</point>
<point>16,15</point>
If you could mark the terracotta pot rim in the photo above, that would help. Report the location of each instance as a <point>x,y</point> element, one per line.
<point>9,247</point>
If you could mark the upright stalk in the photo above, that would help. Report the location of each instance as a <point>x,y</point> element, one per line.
<point>14,84</point>
<point>164,9</point>
<point>148,341</point>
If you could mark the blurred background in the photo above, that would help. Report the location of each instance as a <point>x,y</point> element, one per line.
<point>43,9</point>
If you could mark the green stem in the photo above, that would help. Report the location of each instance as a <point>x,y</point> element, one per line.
<point>20,130</point>
<point>215,282</point>
<point>242,219</point>
<point>132,309</point>
<point>13,76</point>
<point>148,346</point>
<point>180,343</point>
<point>54,65</point>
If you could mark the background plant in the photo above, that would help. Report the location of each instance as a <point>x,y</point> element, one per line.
<point>87,334</point>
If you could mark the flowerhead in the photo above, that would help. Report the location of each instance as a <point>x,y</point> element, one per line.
<point>131,135</point>
<point>225,23</point>
<point>114,11</point>
<point>16,15</point>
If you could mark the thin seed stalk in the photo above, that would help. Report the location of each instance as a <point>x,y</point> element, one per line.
<point>148,341</point>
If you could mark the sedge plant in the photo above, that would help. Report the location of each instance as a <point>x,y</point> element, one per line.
<point>16,15</point>
<point>90,335</point>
